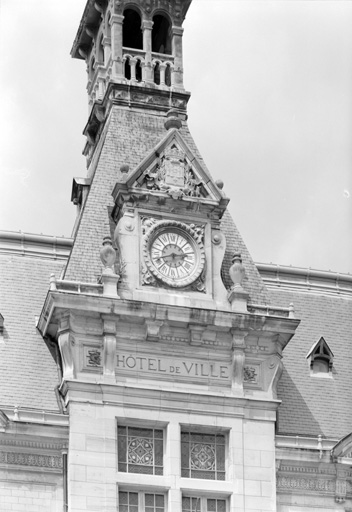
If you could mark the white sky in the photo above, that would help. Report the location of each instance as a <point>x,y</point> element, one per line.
<point>271,85</point>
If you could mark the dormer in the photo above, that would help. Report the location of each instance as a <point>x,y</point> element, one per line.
<point>320,358</point>
<point>134,42</point>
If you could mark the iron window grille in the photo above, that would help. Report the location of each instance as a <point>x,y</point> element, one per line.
<point>140,450</point>
<point>203,456</point>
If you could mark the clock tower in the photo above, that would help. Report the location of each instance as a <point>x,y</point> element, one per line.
<point>169,350</point>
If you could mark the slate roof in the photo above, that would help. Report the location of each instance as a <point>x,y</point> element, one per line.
<point>129,136</point>
<point>316,405</point>
<point>28,373</point>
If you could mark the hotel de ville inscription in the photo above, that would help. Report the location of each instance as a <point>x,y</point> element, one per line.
<point>137,363</point>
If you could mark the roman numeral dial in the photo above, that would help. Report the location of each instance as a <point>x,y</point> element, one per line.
<point>172,254</point>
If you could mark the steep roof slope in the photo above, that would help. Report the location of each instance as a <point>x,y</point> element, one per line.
<point>313,405</point>
<point>128,137</point>
<point>28,373</point>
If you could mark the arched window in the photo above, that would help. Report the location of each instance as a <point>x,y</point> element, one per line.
<point>321,359</point>
<point>132,36</point>
<point>127,69</point>
<point>157,74</point>
<point>161,35</point>
<point>168,75</point>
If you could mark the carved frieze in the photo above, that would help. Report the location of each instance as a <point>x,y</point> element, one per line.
<point>306,484</point>
<point>29,459</point>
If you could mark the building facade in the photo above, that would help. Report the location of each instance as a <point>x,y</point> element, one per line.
<point>148,363</point>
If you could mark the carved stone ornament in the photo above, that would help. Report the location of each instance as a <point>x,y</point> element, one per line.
<point>108,254</point>
<point>306,484</point>
<point>237,271</point>
<point>250,374</point>
<point>173,175</point>
<point>93,357</point>
<point>173,253</point>
<point>28,459</point>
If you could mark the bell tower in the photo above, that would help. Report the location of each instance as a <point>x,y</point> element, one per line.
<point>133,52</point>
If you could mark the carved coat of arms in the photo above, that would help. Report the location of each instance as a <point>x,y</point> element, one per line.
<point>173,175</point>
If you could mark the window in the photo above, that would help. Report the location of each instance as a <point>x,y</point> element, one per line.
<point>135,501</point>
<point>201,504</point>
<point>203,455</point>
<point>140,450</point>
<point>321,359</point>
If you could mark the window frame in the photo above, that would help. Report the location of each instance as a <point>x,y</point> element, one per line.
<point>141,495</point>
<point>204,496</point>
<point>204,430</point>
<point>147,426</point>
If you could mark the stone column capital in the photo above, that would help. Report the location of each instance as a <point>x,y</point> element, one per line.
<point>147,24</point>
<point>117,18</point>
<point>177,31</point>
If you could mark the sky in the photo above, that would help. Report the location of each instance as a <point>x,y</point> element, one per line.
<point>270,111</point>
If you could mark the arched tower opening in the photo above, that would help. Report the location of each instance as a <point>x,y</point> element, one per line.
<point>168,75</point>
<point>157,74</point>
<point>132,36</point>
<point>161,35</point>
<point>100,55</point>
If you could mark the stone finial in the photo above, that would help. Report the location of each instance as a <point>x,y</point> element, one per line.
<point>291,310</point>
<point>16,416</point>
<point>52,286</point>
<point>173,120</point>
<point>219,184</point>
<point>108,254</point>
<point>108,258</point>
<point>237,271</point>
<point>124,168</point>
<point>237,296</point>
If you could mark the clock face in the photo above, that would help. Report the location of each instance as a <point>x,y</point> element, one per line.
<point>173,255</point>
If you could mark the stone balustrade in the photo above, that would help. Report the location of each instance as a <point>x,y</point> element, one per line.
<point>62,285</point>
<point>268,310</point>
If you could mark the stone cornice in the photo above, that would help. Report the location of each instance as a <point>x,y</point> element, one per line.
<point>32,245</point>
<point>305,280</point>
<point>203,402</point>
<point>43,418</point>
<point>141,310</point>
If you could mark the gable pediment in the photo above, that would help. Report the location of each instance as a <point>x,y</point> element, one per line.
<point>172,170</point>
<point>342,451</point>
<point>4,421</point>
